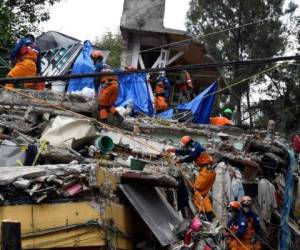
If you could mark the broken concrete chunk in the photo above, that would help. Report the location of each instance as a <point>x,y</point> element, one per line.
<point>22,183</point>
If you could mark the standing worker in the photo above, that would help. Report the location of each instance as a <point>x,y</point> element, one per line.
<point>237,225</point>
<point>26,60</point>
<point>246,227</point>
<point>224,120</point>
<point>253,231</point>
<point>97,58</point>
<point>108,96</point>
<point>161,87</point>
<point>185,84</point>
<point>193,151</point>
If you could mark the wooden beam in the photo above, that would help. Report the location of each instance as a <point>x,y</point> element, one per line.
<point>10,235</point>
<point>174,58</point>
<point>141,62</point>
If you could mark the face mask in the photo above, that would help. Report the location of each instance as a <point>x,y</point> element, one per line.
<point>246,209</point>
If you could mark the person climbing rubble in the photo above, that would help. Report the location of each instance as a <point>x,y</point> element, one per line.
<point>184,82</point>
<point>246,227</point>
<point>193,151</point>
<point>107,97</point>
<point>161,87</point>
<point>26,61</point>
<point>224,120</point>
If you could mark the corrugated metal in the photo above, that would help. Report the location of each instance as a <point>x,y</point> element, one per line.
<point>153,208</point>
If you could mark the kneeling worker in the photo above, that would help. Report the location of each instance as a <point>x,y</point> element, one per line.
<point>193,151</point>
<point>224,120</point>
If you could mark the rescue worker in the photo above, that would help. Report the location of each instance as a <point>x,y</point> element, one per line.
<point>161,87</point>
<point>97,58</point>
<point>26,60</point>
<point>185,84</point>
<point>224,120</point>
<point>253,231</point>
<point>193,151</point>
<point>246,228</point>
<point>236,225</point>
<point>108,96</point>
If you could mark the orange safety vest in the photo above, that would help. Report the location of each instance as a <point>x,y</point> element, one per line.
<point>246,240</point>
<point>204,159</point>
<point>202,185</point>
<point>220,121</point>
<point>160,102</point>
<point>25,66</point>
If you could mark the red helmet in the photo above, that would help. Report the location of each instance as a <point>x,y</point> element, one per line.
<point>185,140</point>
<point>246,201</point>
<point>235,204</point>
<point>97,54</point>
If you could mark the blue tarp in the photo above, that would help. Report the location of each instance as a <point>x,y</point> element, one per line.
<point>134,87</point>
<point>83,65</point>
<point>201,106</point>
<point>285,234</point>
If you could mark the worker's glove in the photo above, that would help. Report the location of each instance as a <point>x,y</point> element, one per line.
<point>171,150</point>
<point>226,235</point>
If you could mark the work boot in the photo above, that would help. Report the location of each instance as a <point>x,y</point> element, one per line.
<point>119,117</point>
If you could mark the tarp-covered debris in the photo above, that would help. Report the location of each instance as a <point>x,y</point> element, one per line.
<point>133,87</point>
<point>201,106</point>
<point>83,65</point>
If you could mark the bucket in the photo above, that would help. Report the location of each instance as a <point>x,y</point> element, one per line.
<point>58,86</point>
<point>136,164</point>
<point>104,144</point>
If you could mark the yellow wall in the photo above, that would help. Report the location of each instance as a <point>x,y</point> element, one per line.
<point>37,217</point>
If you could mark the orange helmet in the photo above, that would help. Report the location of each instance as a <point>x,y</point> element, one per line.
<point>246,201</point>
<point>97,54</point>
<point>185,140</point>
<point>235,204</point>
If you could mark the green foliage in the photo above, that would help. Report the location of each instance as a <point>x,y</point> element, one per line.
<point>261,40</point>
<point>113,43</point>
<point>17,17</point>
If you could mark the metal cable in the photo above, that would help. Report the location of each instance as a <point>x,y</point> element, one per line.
<point>167,69</point>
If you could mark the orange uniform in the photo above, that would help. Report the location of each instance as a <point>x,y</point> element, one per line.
<point>220,121</point>
<point>27,62</point>
<point>160,99</point>
<point>108,96</point>
<point>246,240</point>
<point>202,185</point>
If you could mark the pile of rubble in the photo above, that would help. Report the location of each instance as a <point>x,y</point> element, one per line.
<point>50,151</point>
<point>44,183</point>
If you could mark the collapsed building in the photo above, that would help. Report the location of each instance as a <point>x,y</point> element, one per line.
<point>75,183</point>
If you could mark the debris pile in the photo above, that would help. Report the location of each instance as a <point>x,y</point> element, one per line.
<point>49,154</point>
<point>44,183</point>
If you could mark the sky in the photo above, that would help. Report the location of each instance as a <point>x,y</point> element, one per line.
<point>88,19</point>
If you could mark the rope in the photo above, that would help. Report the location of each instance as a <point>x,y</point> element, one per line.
<point>243,80</point>
<point>195,38</point>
